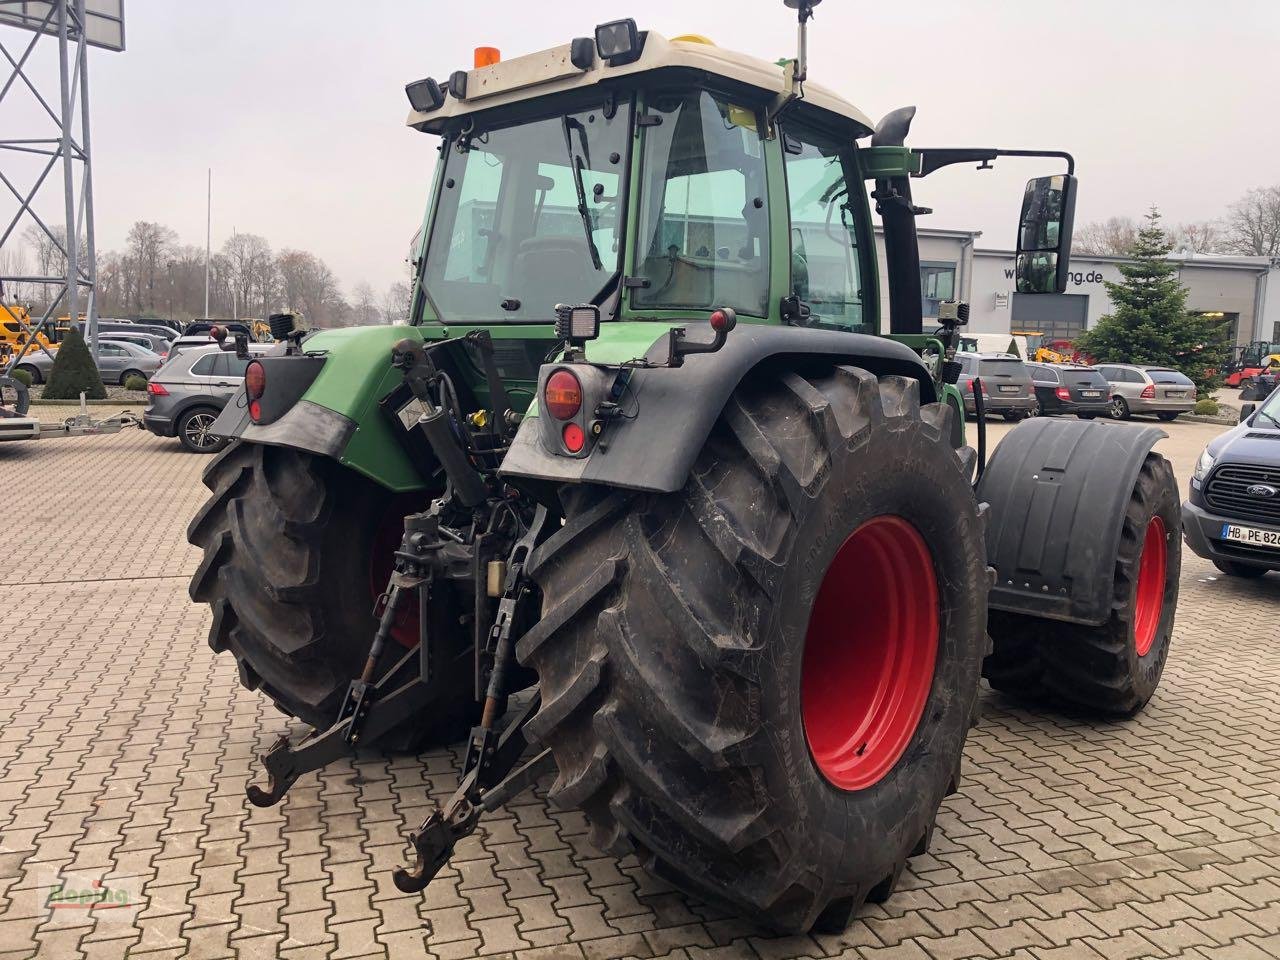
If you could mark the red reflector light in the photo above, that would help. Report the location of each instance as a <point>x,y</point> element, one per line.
<point>255,380</point>
<point>563,395</point>
<point>573,437</point>
<point>1149,391</point>
<point>255,411</point>
<point>156,389</point>
<point>1063,393</point>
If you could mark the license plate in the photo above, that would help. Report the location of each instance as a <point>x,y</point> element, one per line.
<point>1007,389</point>
<point>1091,394</point>
<point>1252,536</point>
<point>1175,393</point>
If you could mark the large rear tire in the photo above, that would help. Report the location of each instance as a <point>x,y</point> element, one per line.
<point>761,684</point>
<point>1112,669</point>
<point>288,539</point>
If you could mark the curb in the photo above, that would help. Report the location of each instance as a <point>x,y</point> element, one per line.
<point>1191,417</point>
<point>92,403</point>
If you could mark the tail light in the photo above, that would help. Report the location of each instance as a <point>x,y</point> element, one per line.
<point>156,389</point>
<point>574,437</point>
<point>1149,392</point>
<point>563,396</point>
<point>1062,393</point>
<point>255,383</point>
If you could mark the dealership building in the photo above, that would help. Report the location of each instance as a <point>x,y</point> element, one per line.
<point>1244,291</point>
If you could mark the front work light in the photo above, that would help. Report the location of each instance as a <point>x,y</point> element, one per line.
<point>424,95</point>
<point>577,324</point>
<point>618,42</point>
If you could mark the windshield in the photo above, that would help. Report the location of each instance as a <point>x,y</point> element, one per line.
<point>1269,414</point>
<point>528,217</point>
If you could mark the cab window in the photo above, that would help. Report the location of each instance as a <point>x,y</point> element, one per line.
<point>703,239</point>
<point>825,256</point>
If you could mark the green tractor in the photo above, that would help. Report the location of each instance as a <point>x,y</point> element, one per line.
<point>644,496</point>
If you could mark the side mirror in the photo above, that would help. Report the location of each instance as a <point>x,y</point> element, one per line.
<point>1044,234</point>
<point>1247,411</point>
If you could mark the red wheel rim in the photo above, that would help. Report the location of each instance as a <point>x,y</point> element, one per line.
<point>382,560</point>
<point>1150,600</point>
<point>869,653</point>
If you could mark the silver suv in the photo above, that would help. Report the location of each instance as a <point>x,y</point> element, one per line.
<point>1137,388</point>
<point>186,395</point>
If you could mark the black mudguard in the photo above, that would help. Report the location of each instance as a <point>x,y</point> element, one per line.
<point>675,408</point>
<point>1057,490</point>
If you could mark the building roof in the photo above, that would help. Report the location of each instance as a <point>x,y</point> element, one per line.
<point>550,71</point>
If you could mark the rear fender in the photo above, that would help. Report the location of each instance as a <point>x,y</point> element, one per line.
<point>672,410</point>
<point>1058,490</point>
<point>336,412</point>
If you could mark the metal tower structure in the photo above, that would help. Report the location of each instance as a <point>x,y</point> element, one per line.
<point>75,25</point>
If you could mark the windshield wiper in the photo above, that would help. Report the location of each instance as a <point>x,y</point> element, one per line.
<point>575,162</point>
<point>1263,413</point>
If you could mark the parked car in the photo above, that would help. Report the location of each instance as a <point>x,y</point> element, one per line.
<point>186,343</point>
<point>151,341</point>
<point>117,362</point>
<point>1142,389</point>
<point>1007,388</point>
<point>189,392</point>
<point>1070,388</point>
<point>1232,512</point>
<point>128,326</point>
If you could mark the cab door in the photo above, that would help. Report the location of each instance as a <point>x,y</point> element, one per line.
<point>832,264</point>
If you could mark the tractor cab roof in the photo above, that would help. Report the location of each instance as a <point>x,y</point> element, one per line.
<point>539,75</point>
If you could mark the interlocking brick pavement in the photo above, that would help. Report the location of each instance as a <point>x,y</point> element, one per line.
<point>125,746</point>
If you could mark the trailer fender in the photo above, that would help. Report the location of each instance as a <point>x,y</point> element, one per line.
<point>670,411</point>
<point>1057,491</point>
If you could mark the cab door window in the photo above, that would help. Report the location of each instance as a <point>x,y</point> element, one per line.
<point>703,238</point>
<point>826,233</point>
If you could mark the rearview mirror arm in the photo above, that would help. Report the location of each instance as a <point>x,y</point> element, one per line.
<point>935,158</point>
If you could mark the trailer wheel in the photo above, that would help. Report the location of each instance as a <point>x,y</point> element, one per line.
<point>288,542</point>
<point>761,684</point>
<point>14,394</point>
<point>1112,669</point>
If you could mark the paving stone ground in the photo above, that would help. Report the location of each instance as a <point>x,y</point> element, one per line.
<point>125,746</point>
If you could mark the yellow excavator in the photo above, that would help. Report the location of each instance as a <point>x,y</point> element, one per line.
<point>15,321</point>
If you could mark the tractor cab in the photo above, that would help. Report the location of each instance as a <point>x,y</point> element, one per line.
<point>657,179</point>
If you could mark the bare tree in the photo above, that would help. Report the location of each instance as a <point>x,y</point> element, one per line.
<point>308,285</point>
<point>1199,236</point>
<point>1113,237</point>
<point>364,305</point>
<point>253,278</point>
<point>13,263</point>
<point>395,302</point>
<point>148,247</point>
<point>1253,223</point>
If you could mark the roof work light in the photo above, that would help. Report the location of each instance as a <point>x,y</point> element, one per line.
<point>424,95</point>
<point>618,41</point>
